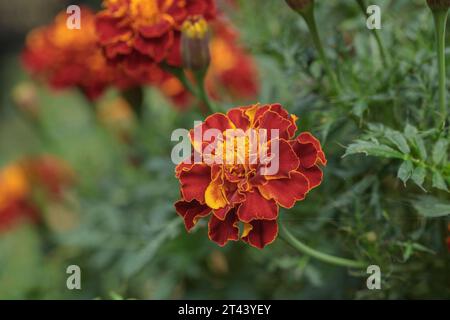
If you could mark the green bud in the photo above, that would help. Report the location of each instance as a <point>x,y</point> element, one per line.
<point>438,4</point>
<point>195,44</point>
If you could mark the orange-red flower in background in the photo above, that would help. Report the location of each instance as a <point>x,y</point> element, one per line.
<point>67,58</point>
<point>14,188</point>
<point>117,115</point>
<point>239,193</point>
<point>18,181</point>
<point>49,173</point>
<point>138,35</point>
<point>232,72</point>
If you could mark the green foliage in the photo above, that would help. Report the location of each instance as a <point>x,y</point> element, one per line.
<point>410,147</point>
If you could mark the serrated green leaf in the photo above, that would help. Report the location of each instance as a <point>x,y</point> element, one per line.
<point>420,144</point>
<point>410,132</point>
<point>431,207</point>
<point>399,140</point>
<point>418,176</point>
<point>440,151</point>
<point>372,149</point>
<point>359,108</point>
<point>439,182</point>
<point>405,171</point>
<point>412,135</point>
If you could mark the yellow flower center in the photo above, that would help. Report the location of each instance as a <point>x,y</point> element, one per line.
<point>146,11</point>
<point>195,28</point>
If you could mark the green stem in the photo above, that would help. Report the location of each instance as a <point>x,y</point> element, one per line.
<point>181,76</point>
<point>376,34</point>
<point>200,92</point>
<point>203,95</point>
<point>310,20</point>
<point>324,257</point>
<point>440,21</point>
<point>135,97</point>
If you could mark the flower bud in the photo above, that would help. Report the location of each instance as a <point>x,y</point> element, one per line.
<point>25,98</point>
<point>300,6</point>
<point>195,44</point>
<point>438,4</point>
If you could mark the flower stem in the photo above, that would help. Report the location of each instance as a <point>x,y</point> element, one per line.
<point>135,97</point>
<point>181,76</point>
<point>310,20</point>
<point>200,92</point>
<point>203,95</point>
<point>287,236</point>
<point>440,21</point>
<point>376,34</point>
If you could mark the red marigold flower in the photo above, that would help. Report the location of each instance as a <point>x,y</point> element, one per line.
<point>232,72</point>
<point>14,188</point>
<point>68,58</point>
<point>239,192</point>
<point>140,34</point>
<point>20,179</point>
<point>49,173</point>
<point>231,66</point>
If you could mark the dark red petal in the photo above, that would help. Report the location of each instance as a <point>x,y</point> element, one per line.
<point>217,121</point>
<point>108,29</point>
<point>263,232</point>
<point>183,166</point>
<point>255,207</point>
<point>223,231</point>
<point>155,30</point>
<point>306,137</point>
<point>156,48</point>
<point>116,49</point>
<point>286,191</point>
<point>191,212</point>
<point>313,174</point>
<point>272,120</point>
<point>306,152</point>
<point>287,160</point>
<point>238,117</point>
<point>194,182</point>
<point>174,54</point>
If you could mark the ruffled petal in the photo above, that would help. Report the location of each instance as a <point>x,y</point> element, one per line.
<point>223,231</point>
<point>286,191</point>
<point>260,233</point>
<point>239,118</point>
<point>287,161</point>
<point>305,138</point>
<point>256,207</point>
<point>195,182</point>
<point>214,195</point>
<point>313,174</point>
<point>271,120</point>
<point>191,212</point>
<point>155,30</point>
